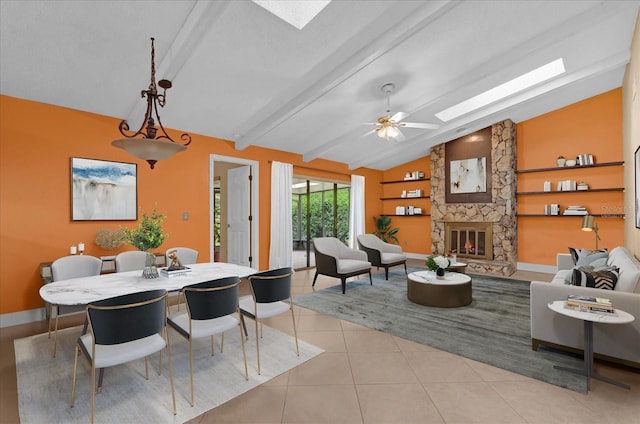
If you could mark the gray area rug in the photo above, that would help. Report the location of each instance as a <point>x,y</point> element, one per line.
<point>44,383</point>
<point>493,329</point>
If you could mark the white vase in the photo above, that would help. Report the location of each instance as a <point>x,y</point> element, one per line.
<point>561,161</point>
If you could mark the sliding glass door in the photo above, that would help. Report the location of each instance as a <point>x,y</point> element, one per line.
<point>319,209</point>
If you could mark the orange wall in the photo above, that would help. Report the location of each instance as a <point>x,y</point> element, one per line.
<point>36,142</point>
<point>591,126</point>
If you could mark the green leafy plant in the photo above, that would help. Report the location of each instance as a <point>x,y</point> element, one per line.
<point>384,230</point>
<point>148,234</point>
<point>435,262</point>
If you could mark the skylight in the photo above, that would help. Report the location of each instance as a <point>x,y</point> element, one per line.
<point>295,12</point>
<point>507,89</point>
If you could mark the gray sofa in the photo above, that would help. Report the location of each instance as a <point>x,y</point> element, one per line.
<point>617,343</point>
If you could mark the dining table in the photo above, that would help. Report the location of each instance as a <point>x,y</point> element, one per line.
<point>84,290</point>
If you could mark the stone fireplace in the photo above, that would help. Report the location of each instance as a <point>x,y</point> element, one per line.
<point>489,227</point>
<point>469,240</point>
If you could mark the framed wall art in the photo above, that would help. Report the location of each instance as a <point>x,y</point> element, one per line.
<point>103,190</point>
<point>636,161</point>
<point>468,168</point>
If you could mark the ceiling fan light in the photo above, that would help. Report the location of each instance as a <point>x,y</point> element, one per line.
<point>388,132</point>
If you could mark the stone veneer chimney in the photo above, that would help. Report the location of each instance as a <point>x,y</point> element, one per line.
<point>501,212</point>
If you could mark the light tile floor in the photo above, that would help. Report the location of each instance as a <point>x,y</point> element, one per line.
<point>365,376</point>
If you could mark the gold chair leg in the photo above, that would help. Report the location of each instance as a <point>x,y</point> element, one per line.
<point>191,367</point>
<point>146,368</point>
<point>173,392</point>
<point>93,389</point>
<point>295,333</point>
<point>55,334</point>
<point>222,343</point>
<point>75,368</point>
<point>212,346</point>
<point>244,354</point>
<point>258,345</point>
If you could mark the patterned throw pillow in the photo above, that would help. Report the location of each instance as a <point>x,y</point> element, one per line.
<point>605,279</point>
<point>586,256</point>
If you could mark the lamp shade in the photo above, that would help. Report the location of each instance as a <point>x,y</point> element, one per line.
<point>149,149</point>
<point>588,223</point>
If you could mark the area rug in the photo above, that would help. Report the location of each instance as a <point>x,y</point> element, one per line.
<point>493,329</point>
<point>44,383</point>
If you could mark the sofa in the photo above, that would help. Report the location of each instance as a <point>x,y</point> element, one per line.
<point>616,343</point>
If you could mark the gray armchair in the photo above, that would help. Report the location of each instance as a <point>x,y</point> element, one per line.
<point>382,254</point>
<point>335,259</point>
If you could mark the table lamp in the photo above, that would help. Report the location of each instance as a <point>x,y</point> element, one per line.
<point>589,224</point>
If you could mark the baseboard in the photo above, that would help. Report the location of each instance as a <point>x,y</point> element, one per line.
<point>547,269</point>
<point>22,317</point>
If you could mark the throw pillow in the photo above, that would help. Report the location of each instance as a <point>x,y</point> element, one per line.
<point>586,256</point>
<point>605,279</point>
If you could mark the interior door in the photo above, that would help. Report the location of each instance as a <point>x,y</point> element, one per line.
<point>238,212</point>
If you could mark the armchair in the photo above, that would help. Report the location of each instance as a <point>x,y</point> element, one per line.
<point>382,254</point>
<point>335,259</point>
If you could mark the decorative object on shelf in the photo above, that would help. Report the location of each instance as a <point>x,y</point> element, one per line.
<point>434,263</point>
<point>570,162</point>
<point>81,248</point>
<point>148,235</point>
<point>575,210</point>
<point>589,224</point>
<point>110,239</point>
<point>561,161</point>
<point>585,159</point>
<point>151,146</point>
<point>384,230</point>
<point>103,190</point>
<point>582,186</point>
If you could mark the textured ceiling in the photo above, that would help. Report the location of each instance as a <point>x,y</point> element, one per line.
<point>242,74</point>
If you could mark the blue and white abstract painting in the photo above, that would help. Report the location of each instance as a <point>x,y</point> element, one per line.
<point>103,190</point>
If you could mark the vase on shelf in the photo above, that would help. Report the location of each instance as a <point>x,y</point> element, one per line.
<point>150,269</point>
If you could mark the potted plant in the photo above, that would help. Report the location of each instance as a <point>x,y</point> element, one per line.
<point>148,235</point>
<point>384,230</point>
<point>438,264</point>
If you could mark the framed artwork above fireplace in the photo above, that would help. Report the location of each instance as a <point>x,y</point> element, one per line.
<point>468,168</point>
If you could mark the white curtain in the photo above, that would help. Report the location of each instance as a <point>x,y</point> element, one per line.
<point>281,246</point>
<point>356,213</point>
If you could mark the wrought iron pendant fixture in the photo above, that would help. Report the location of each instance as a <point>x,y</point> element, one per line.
<point>148,143</point>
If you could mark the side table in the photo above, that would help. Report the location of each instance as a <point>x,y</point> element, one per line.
<point>460,267</point>
<point>620,317</point>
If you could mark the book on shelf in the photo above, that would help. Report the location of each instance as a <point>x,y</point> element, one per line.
<point>166,272</point>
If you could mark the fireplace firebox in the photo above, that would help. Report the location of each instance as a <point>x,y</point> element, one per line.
<point>469,239</point>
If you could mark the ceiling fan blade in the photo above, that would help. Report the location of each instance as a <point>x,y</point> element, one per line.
<point>400,136</point>
<point>399,116</point>
<point>419,125</point>
<point>370,132</point>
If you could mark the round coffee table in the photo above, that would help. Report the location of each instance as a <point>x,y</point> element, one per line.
<point>451,291</point>
<point>460,267</point>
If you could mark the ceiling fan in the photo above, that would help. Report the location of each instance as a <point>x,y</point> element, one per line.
<point>388,126</point>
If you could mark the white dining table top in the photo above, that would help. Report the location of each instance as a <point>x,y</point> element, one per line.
<point>81,291</point>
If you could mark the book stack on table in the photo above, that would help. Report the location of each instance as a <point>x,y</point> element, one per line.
<point>590,304</point>
<point>174,272</point>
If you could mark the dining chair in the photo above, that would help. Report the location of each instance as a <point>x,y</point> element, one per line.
<point>270,296</point>
<point>132,260</point>
<point>211,310</point>
<point>123,329</point>
<point>66,268</point>
<point>186,255</point>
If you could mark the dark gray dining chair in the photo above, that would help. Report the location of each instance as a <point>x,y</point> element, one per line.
<point>270,296</point>
<point>123,329</point>
<point>212,308</point>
